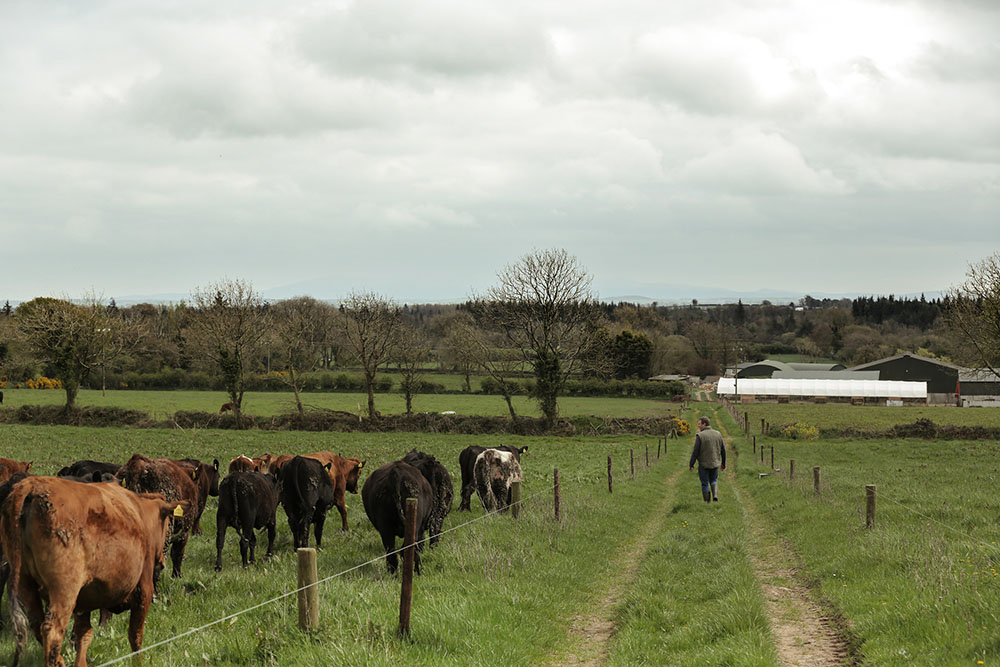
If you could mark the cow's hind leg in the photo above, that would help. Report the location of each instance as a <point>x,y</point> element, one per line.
<point>271,531</point>
<point>177,553</point>
<point>319,518</point>
<point>220,540</point>
<point>83,634</point>
<point>389,544</point>
<point>61,603</point>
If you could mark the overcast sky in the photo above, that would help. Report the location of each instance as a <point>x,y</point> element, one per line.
<point>415,148</point>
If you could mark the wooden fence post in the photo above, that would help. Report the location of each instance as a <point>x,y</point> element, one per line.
<point>816,480</point>
<point>772,457</point>
<point>762,454</point>
<point>647,454</point>
<point>791,470</point>
<point>308,597</point>
<point>610,478</point>
<point>755,444</point>
<point>406,590</point>
<point>631,461</point>
<point>555,490</point>
<point>871,495</point>
<point>657,449</point>
<point>762,426</point>
<point>515,499</point>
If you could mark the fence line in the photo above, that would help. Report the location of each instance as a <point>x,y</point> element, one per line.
<point>316,584</point>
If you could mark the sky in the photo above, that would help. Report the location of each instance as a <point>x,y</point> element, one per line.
<point>416,148</point>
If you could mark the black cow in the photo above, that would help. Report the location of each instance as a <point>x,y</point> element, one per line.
<point>444,491</point>
<point>247,502</point>
<point>467,464</point>
<point>306,494</point>
<point>384,496</point>
<point>88,468</point>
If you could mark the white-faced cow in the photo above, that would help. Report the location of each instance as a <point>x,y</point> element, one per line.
<point>495,471</point>
<point>467,464</point>
<point>384,496</point>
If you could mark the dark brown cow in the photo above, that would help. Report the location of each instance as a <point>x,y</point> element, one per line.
<point>74,548</point>
<point>227,407</point>
<point>144,475</point>
<point>9,466</point>
<point>344,473</point>
<point>206,478</point>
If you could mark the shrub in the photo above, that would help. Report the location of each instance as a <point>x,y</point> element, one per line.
<point>799,431</point>
<point>681,426</point>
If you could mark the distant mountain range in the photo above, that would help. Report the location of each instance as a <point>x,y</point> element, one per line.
<point>664,295</point>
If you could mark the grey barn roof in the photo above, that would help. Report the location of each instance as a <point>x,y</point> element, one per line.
<point>826,375</point>
<point>878,362</point>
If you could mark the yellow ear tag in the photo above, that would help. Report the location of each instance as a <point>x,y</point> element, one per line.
<point>178,511</point>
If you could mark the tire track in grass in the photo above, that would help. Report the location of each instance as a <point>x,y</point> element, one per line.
<point>593,630</point>
<point>805,635</point>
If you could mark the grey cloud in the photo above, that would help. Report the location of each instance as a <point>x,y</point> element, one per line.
<point>439,40</point>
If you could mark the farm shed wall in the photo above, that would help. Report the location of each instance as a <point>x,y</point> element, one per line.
<point>939,376</point>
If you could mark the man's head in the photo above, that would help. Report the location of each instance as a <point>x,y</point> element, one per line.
<point>703,423</point>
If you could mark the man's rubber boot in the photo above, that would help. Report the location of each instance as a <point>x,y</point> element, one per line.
<point>715,494</point>
<point>707,496</point>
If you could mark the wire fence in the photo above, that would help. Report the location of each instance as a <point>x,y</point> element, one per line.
<point>331,577</point>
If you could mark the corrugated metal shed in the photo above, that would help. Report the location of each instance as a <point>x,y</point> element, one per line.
<point>826,375</point>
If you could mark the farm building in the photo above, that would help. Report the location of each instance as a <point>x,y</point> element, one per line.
<point>979,387</point>
<point>940,376</point>
<point>864,391</point>
<point>768,367</point>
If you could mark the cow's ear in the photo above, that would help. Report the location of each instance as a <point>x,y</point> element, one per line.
<point>28,467</point>
<point>362,464</point>
<point>256,468</point>
<point>194,474</point>
<point>215,463</point>
<point>170,509</point>
<point>328,466</point>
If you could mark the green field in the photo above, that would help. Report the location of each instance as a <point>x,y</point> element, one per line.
<point>921,587</point>
<point>840,416</point>
<point>161,404</point>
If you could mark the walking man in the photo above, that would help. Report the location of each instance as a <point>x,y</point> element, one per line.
<point>710,453</point>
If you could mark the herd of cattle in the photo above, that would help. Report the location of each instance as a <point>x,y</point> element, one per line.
<point>95,535</point>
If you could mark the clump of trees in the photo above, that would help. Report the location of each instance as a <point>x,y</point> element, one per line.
<point>539,331</point>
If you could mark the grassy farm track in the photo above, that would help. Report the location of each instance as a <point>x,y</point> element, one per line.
<point>804,634</point>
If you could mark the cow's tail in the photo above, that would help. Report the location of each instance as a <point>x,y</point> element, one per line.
<point>11,526</point>
<point>238,522</point>
<point>407,489</point>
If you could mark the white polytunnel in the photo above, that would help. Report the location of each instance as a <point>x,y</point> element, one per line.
<point>804,387</point>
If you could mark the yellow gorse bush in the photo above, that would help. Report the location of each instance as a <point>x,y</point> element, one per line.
<point>43,383</point>
<point>681,426</point>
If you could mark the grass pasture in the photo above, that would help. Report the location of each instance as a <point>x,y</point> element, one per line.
<point>529,576</point>
<point>674,575</point>
<point>162,404</point>
<point>922,586</point>
<point>840,416</point>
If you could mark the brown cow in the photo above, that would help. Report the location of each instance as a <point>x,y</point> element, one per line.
<point>344,473</point>
<point>74,548</point>
<point>144,475</point>
<point>206,478</point>
<point>9,466</point>
<point>227,407</point>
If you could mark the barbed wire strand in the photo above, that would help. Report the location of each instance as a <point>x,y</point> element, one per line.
<point>302,588</point>
<point>940,523</point>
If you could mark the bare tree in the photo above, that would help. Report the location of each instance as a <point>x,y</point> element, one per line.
<point>974,314</point>
<point>456,350</point>
<point>74,339</point>
<point>369,325</point>
<point>543,306</point>
<point>230,329</point>
<point>409,354</point>
<point>300,335</point>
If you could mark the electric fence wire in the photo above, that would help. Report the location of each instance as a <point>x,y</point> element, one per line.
<point>302,588</point>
